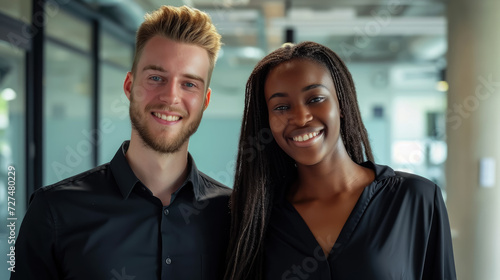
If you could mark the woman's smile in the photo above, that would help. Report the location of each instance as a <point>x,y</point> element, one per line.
<point>304,114</point>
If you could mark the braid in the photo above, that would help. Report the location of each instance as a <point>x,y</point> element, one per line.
<point>263,171</point>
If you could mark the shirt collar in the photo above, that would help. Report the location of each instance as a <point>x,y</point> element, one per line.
<point>381,172</point>
<point>124,176</point>
<point>126,179</point>
<point>193,179</point>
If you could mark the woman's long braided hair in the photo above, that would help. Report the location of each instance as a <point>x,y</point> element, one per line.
<point>263,170</point>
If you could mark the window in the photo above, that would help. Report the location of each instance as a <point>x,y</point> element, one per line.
<point>19,9</point>
<point>68,142</point>
<point>12,144</point>
<point>114,125</point>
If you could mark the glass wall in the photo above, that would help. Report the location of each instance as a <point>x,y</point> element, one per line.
<point>114,125</point>
<point>396,61</point>
<point>19,9</point>
<point>396,55</point>
<point>67,135</point>
<point>215,144</point>
<point>12,147</point>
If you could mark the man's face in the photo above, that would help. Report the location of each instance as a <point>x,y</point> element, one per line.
<point>167,93</point>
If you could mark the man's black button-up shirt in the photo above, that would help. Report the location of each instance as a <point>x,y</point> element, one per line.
<point>105,224</point>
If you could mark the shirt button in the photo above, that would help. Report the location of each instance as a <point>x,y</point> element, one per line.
<point>166,212</point>
<point>168,261</point>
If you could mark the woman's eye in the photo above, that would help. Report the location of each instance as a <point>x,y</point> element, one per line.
<point>281,108</point>
<point>317,99</point>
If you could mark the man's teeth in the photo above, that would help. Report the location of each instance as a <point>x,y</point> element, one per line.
<point>169,118</point>
<point>305,137</point>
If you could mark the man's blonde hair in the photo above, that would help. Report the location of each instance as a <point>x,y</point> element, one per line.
<point>180,24</point>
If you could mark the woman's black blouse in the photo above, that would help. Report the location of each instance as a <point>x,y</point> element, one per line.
<point>399,229</point>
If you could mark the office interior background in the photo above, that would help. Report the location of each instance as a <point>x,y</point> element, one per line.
<point>427,74</point>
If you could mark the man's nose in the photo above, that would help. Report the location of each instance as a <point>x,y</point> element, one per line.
<point>170,93</point>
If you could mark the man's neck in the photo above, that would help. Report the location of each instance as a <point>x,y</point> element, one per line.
<point>163,174</point>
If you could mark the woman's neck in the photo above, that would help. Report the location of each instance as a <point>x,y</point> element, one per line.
<point>327,179</point>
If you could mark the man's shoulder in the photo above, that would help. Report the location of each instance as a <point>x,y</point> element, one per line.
<point>64,195</point>
<point>213,187</point>
<point>94,177</point>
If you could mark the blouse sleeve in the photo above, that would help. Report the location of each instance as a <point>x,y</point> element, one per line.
<point>439,261</point>
<point>35,244</point>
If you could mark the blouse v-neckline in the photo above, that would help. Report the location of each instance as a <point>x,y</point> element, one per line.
<point>347,229</point>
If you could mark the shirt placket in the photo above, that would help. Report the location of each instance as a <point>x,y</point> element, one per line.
<point>167,246</point>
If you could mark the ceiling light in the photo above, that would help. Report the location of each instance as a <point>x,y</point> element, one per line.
<point>8,94</point>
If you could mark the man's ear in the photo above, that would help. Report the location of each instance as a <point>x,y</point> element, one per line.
<point>127,84</point>
<point>207,99</point>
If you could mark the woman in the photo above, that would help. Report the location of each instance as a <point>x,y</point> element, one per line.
<point>308,202</point>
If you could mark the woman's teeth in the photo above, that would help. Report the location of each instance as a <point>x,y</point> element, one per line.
<point>305,137</point>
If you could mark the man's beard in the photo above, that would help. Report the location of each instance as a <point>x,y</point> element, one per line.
<point>159,144</point>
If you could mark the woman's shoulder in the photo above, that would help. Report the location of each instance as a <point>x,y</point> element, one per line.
<point>416,184</point>
<point>411,179</point>
<point>398,181</point>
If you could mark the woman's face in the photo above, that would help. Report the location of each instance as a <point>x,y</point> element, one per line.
<point>304,114</point>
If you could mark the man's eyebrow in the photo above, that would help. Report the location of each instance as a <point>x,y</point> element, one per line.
<point>153,67</point>
<point>195,77</point>
<point>306,88</point>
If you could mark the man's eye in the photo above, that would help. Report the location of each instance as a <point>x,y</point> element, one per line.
<point>155,78</point>
<point>189,85</point>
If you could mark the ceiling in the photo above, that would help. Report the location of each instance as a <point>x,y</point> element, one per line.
<point>359,30</point>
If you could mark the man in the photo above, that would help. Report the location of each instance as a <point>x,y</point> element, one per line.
<point>149,213</point>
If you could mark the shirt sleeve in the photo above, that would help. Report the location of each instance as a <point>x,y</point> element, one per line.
<point>35,245</point>
<point>439,261</point>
